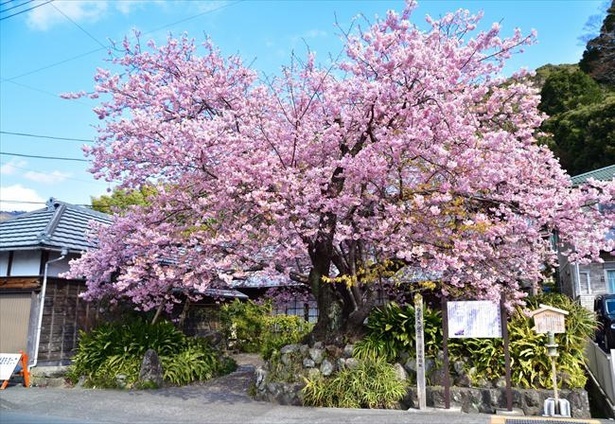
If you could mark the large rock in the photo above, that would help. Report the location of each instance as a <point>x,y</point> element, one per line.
<point>151,372</point>
<point>400,372</point>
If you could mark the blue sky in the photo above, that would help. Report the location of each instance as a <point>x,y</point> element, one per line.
<point>53,47</point>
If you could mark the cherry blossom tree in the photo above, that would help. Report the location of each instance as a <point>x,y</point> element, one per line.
<point>408,159</point>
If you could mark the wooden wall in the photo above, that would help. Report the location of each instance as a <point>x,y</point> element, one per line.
<point>64,315</point>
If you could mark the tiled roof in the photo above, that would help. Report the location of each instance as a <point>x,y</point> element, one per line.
<point>59,225</point>
<point>603,174</point>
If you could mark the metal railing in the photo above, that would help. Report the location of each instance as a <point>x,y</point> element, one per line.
<point>602,367</point>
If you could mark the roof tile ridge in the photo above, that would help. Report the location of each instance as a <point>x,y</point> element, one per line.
<point>59,207</point>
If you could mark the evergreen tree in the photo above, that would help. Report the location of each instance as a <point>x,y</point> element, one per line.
<point>599,56</point>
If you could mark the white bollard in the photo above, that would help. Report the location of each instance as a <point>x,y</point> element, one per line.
<point>549,407</point>
<point>562,409</point>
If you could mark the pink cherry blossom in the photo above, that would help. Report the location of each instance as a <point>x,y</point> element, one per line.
<point>409,159</point>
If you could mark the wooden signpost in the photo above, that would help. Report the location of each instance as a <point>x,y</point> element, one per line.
<point>8,363</point>
<point>549,320</point>
<point>420,351</point>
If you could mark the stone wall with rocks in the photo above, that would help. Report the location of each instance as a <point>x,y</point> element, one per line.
<point>281,379</point>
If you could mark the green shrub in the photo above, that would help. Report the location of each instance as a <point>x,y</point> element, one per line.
<point>252,328</point>
<point>281,330</point>
<point>372,384</point>
<point>391,333</point>
<point>110,356</point>
<point>196,362</point>
<point>116,372</point>
<point>532,366</point>
<point>243,324</point>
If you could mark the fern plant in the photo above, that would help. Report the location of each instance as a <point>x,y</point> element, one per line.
<point>372,384</point>
<point>110,356</point>
<point>390,331</point>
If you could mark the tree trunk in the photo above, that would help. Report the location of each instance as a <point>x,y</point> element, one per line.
<point>338,322</point>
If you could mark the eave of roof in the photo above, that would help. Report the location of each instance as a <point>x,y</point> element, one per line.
<point>603,174</point>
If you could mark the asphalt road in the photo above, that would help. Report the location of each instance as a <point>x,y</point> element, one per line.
<point>224,400</point>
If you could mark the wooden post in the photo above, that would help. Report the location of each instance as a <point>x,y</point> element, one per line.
<point>552,348</point>
<point>420,351</point>
<point>504,324</point>
<point>25,373</point>
<point>447,377</point>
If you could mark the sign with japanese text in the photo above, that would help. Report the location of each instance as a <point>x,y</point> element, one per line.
<point>548,319</point>
<point>475,318</point>
<point>8,362</point>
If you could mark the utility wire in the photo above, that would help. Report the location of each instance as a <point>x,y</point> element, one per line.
<point>28,202</point>
<point>12,164</point>
<point>48,93</point>
<point>107,47</point>
<point>26,10</point>
<point>80,27</point>
<point>46,136</point>
<point>70,59</point>
<point>42,157</point>
<point>31,202</point>
<point>15,7</point>
<point>222,6</point>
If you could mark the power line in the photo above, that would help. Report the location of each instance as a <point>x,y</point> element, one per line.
<point>70,59</point>
<point>42,157</point>
<point>15,7</point>
<point>28,202</point>
<point>26,10</point>
<point>13,165</point>
<point>31,202</point>
<point>54,95</point>
<point>222,6</point>
<point>80,27</point>
<point>225,5</point>
<point>46,136</point>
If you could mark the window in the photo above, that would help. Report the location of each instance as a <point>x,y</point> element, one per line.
<point>585,283</point>
<point>610,280</point>
<point>300,307</point>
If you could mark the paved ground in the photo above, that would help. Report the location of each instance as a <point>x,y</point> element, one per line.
<point>223,400</point>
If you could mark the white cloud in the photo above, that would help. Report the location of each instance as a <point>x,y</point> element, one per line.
<point>210,6</point>
<point>80,11</point>
<point>127,6</point>
<point>12,196</point>
<point>12,167</point>
<point>18,167</point>
<point>315,33</point>
<point>46,177</point>
<point>44,17</point>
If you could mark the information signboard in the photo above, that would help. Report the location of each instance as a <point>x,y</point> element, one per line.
<point>475,318</point>
<point>548,319</point>
<point>8,362</point>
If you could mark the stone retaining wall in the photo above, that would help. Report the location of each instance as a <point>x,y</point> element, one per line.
<point>280,380</point>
